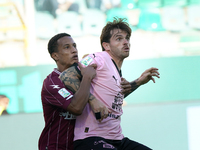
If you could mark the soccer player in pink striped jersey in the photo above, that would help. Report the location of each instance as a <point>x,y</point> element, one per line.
<point>110,88</point>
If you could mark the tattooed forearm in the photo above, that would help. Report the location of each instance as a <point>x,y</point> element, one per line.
<point>71,79</point>
<point>91,97</point>
<point>134,86</point>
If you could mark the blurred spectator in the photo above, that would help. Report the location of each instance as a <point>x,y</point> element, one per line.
<point>47,5</point>
<point>4,100</point>
<point>109,4</point>
<point>56,6</point>
<point>68,5</point>
<point>93,4</point>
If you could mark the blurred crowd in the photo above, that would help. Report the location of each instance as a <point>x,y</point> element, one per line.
<point>55,7</point>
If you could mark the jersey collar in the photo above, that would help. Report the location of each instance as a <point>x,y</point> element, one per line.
<point>56,71</point>
<point>119,71</point>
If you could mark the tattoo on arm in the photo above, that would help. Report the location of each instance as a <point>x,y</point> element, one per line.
<point>91,97</point>
<point>71,79</point>
<point>134,86</point>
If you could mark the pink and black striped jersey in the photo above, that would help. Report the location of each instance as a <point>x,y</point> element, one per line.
<point>106,88</point>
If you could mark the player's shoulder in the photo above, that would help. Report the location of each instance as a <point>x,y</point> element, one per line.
<point>95,55</point>
<point>97,58</point>
<point>52,79</point>
<point>99,54</point>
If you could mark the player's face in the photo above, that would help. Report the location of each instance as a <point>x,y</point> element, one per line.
<point>119,44</point>
<point>4,102</point>
<point>67,52</point>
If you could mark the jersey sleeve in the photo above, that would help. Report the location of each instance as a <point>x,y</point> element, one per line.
<point>55,93</point>
<point>92,59</point>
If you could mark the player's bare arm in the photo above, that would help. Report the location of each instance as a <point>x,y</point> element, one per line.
<point>128,87</point>
<point>100,110</point>
<point>71,78</point>
<point>147,75</point>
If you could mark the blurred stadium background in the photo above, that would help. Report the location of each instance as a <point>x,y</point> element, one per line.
<point>165,34</point>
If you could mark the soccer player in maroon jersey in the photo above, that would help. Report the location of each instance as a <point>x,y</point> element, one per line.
<point>60,105</point>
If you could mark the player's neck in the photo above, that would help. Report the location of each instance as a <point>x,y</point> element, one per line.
<point>118,63</point>
<point>61,68</point>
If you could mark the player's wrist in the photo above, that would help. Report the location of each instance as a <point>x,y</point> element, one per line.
<point>87,78</point>
<point>135,84</point>
<point>138,81</point>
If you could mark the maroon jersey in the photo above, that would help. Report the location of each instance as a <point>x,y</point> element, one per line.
<point>58,132</point>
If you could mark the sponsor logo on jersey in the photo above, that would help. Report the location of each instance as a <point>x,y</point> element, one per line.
<point>64,93</point>
<point>86,61</point>
<point>118,101</point>
<point>67,115</point>
<point>113,116</point>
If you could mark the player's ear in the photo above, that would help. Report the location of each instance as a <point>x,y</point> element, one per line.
<point>54,55</point>
<point>106,46</point>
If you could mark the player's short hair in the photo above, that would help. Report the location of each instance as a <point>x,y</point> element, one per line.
<point>3,96</point>
<point>117,23</point>
<point>53,45</point>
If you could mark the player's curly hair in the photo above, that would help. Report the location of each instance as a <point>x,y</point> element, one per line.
<point>117,23</point>
<point>53,45</point>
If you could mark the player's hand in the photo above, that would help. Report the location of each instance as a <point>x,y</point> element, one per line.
<point>148,75</point>
<point>89,71</point>
<point>99,109</point>
<point>125,86</point>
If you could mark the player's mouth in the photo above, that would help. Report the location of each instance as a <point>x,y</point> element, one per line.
<point>126,49</point>
<point>75,57</point>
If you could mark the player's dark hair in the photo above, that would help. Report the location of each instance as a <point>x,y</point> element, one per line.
<point>3,96</point>
<point>117,23</point>
<point>53,45</point>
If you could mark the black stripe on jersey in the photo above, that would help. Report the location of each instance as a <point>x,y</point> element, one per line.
<point>119,71</point>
